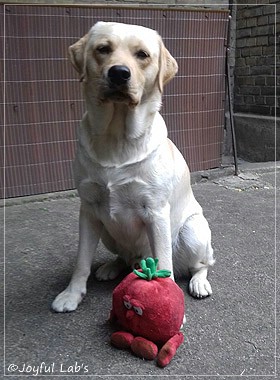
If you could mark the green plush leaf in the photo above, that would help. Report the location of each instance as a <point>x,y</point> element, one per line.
<point>163,273</point>
<point>156,262</point>
<point>149,274</point>
<point>143,265</point>
<point>149,270</point>
<point>151,264</point>
<point>140,274</point>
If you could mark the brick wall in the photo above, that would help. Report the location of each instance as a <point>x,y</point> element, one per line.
<point>255,59</point>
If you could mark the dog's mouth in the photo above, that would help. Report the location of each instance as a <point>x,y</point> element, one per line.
<point>117,94</point>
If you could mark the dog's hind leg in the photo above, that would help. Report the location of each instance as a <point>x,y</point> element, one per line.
<point>194,241</point>
<point>199,286</point>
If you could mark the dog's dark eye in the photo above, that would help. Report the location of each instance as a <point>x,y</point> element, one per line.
<point>142,54</point>
<point>104,49</point>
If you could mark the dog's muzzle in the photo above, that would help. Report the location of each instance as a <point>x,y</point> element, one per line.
<point>117,87</point>
<point>119,75</point>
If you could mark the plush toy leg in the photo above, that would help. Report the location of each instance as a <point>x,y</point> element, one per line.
<point>168,351</point>
<point>122,339</point>
<point>144,348</point>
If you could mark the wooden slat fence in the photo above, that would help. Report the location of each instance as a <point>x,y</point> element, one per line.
<point>41,97</point>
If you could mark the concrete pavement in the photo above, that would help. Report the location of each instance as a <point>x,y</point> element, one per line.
<point>230,334</point>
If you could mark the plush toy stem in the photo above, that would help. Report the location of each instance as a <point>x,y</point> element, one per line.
<point>149,270</point>
<point>168,351</point>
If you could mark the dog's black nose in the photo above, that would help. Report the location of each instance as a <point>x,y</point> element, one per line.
<point>119,75</point>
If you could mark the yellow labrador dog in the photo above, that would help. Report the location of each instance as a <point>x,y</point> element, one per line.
<point>133,183</point>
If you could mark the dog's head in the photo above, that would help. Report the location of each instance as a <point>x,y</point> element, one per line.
<point>122,63</point>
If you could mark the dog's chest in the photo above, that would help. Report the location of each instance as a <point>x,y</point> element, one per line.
<point>118,200</point>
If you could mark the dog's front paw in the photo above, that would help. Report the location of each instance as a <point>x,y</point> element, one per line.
<point>110,270</point>
<point>200,287</point>
<point>67,301</point>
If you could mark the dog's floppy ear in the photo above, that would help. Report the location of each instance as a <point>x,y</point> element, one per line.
<point>167,67</point>
<point>76,54</point>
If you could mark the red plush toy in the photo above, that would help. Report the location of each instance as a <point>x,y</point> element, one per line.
<point>149,306</point>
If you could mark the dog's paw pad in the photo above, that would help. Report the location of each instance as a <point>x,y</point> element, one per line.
<point>66,301</point>
<point>109,271</point>
<point>200,288</point>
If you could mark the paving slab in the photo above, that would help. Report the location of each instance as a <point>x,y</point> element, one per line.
<point>230,334</point>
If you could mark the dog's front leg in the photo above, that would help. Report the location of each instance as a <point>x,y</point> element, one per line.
<point>90,231</point>
<point>159,234</point>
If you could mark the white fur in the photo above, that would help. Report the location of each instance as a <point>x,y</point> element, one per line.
<point>133,182</point>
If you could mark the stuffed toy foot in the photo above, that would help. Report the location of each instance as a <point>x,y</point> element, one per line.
<point>141,347</point>
<point>144,348</point>
<point>122,339</point>
<point>167,352</point>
